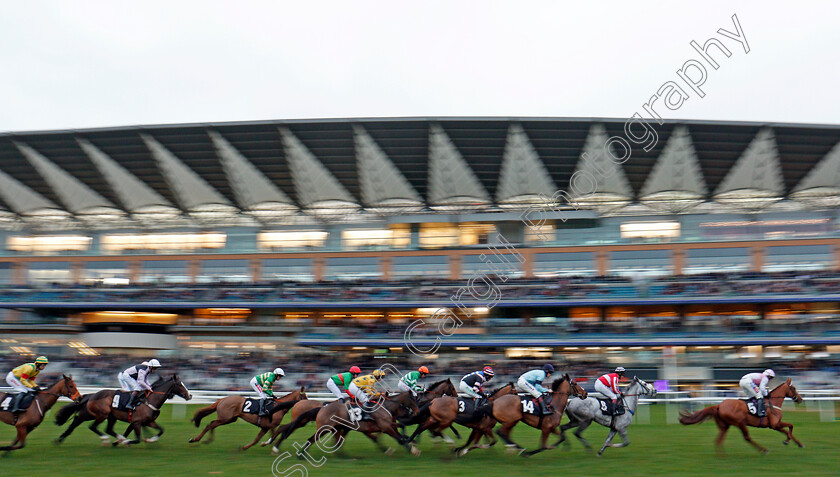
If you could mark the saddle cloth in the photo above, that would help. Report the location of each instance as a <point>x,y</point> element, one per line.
<point>24,399</point>
<point>752,407</point>
<point>606,406</point>
<point>120,400</point>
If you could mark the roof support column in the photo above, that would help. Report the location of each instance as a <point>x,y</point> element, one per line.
<point>757,258</point>
<point>678,261</point>
<point>602,261</point>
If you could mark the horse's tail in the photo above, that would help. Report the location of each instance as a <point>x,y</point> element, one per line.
<point>688,418</point>
<point>205,411</point>
<point>66,412</point>
<point>301,421</point>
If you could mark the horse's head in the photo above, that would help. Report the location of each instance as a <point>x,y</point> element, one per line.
<point>508,388</point>
<point>407,401</point>
<point>792,392</point>
<point>645,389</point>
<point>68,388</point>
<point>443,387</point>
<point>179,389</point>
<point>577,390</point>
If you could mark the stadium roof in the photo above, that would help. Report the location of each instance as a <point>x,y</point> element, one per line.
<point>335,169</point>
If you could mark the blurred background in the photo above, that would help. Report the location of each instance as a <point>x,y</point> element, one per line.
<point>229,249</point>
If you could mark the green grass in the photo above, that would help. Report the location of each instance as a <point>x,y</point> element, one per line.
<point>656,449</point>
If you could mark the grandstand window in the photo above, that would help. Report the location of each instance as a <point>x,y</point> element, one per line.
<point>797,257</point>
<point>355,239</point>
<point>713,260</point>
<point>291,240</point>
<point>163,242</point>
<point>47,244</point>
<point>473,265</point>
<point>352,268</point>
<point>238,270</point>
<point>640,263</point>
<point>165,271</point>
<point>48,272</point>
<point>420,266</point>
<point>438,235</point>
<point>105,272</point>
<point>564,264</point>
<point>291,269</point>
<point>6,273</point>
<point>541,233</point>
<point>650,230</point>
<point>770,229</point>
<point>473,233</point>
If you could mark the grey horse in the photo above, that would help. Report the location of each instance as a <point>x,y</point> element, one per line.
<point>582,412</point>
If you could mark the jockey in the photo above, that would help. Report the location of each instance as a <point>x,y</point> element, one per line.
<point>262,384</point>
<point>531,383</point>
<point>755,385</point>
<point>409,381</point>
<point>471,383</point>
<point>607,385</point>
<point>363,388</point>
<point>22,378</point>
<point>136,380</point>
<point>338,383</point>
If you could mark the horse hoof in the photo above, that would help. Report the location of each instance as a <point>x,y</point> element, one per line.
<point>153,439</point>
<point>415,451</point>
<point>275,450</point>
<point>192,441</point>
<point>388,451</point>
<point>785,442</point>
<point>765,451</point>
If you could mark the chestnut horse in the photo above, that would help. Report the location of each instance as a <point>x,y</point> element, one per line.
<point>443,412</point>
<point>229,409</point>
<point>508,411</point>
<point>29,419</point>
<point>335,418</point>
<point>97,408</point>
<point>733,412</point>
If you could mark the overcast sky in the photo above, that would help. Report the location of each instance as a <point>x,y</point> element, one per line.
<point>105,63</point>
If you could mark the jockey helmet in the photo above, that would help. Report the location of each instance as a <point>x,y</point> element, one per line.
<point>423,370</point>
<point>378,373</point>
<point>42,360</point>
<point>279,372</point>
<point>620,370</point>
<point>549,369</point>
<point>153,363</point>
<point>769,373</point>
<point>355,370</point>
<point>488,371</point>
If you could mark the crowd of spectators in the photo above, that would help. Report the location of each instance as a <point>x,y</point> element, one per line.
<point>718,284</point>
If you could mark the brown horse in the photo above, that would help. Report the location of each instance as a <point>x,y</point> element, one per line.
<point>733,412</point>
<point>97,407</point>
<point>443,412</point>
<point>302,413</point>
<point>28,420</point>
<point>508,411</point>
<point>335,417</point>
<point>229,409</point>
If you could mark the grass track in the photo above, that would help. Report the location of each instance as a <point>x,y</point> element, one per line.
<point>656,449</point>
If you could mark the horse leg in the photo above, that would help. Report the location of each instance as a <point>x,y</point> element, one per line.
<point>747,438</point>
<point>94,427</point>
<point>607,441</point>
<point>790,433</point>
<point>137,427</point>
<point>209,427</point>
<point>109,429</point>
<point>403,441</point>
<point>625,439</point>
<point>504,433</point>
<point>277,431</point>
<point>19,442</point>
<point>260,434</point>
<point>430,422</point>
<point>155,438</point>
<point>73,425</point>
<point>581,426</point>
<point>375,439</point>
<point>543,439</point>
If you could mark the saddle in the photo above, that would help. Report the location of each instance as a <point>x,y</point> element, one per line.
<point>121,400</point>
<point>252,406</point>
<point>20,400</point>
<point>468,410</point>
<point>752,406</point>
<point>608,409</point>
<point>356,412</point>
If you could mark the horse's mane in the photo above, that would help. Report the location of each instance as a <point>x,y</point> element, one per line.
<point>557,382</point>
<point>163,380</point>
<point>433,385</point>
<point>495,391</point>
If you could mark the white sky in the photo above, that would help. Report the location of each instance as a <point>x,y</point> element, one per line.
<point>105,63</point>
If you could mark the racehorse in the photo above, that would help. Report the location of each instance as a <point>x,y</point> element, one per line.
<point>300,415</point>
<point>230,409</point>
<point>98,407</point>
<point>336,416</point>
<point>734,412</point>
<point>582,412</point>
<point>443,412</point>
<point>507,410</point>
<point>29,419</point>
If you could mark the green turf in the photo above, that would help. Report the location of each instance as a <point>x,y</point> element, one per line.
<point>656,449</point>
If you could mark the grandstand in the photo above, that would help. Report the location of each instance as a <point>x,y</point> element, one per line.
<point>230,239</point>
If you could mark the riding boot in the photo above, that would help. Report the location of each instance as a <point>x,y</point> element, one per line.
<point>262,411</point>
<point>341,399</point>
<point>615,408</point>
<point>544,410</point>
<point>759,405</point>
<point>15,406</point>
<point>132,401</point>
